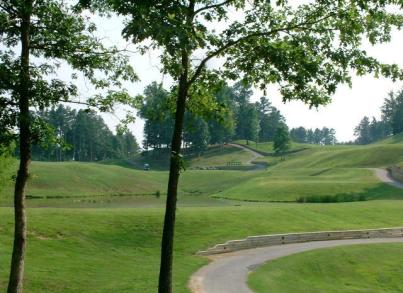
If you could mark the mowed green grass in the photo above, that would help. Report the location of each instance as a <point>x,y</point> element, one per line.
<point>117,250</point>
<point>370,268</point>
<point>292,184</point>
<point>346,157</point>
<point>220,156</point>
<point>268,146</point>
<point>212,157</point>
<point>74,179</point>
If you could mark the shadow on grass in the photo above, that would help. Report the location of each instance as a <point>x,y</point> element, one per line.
<point>381,191</point>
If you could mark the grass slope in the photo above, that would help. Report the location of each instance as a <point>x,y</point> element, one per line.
<point>350,269</point>
<point>117,250</point>
<point>293,184</point>
<point>52,181</point>
<point>214,156</point>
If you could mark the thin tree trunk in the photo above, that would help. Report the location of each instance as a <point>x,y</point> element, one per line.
<point>15,284</point>
<point>165,277</point>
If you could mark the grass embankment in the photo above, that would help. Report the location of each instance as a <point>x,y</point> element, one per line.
<point>117,250</point>
<point>323,174</point>
<point>72,180</point>
<point>328,184</point>
<point>214,156</point>
<point>267,147</point>
<point>349,269</point>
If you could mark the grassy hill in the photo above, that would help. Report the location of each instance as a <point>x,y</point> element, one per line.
<point>117,250</point>
<point>64,183</point>
<point>319,173</point>
<point>322,173</point>
<point>314,184</point>
<point>214,156</point>
<point>348,269</point>
<point>395,139</point>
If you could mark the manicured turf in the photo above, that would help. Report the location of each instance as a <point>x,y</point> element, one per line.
<point>267,147</point>
<point>73,180</point>
<point>117,250</point>
<point>292,184</point>
<point>214,156</point>
<point>350,269</point>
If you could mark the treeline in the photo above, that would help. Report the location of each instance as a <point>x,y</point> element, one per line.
<point>239,118</point>
<point>324,136</point>
<point>391,122</point>
<point>80,136</point>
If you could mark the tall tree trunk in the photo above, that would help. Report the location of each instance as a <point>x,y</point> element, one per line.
<point>15,284</point>
<point>165,277</point>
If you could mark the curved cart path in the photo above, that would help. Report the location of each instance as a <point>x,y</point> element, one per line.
<point>384,176</point>
<point>227,273</point>
<point>254,154</point>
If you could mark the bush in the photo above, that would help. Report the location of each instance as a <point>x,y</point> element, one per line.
<point>331,198</point>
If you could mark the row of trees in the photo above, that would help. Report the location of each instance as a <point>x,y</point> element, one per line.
<point>324,136</point>
<point>81,136</point>
<point>391,122</point>
<point>307,50</point>
<point>236,118</point>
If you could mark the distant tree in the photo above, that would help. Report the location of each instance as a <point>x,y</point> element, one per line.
<point>299,134</point>
<point>392,111</point>
<point>251,123</point>
<point>222,130</point>
<point>328,136</point>
<point>363,132</point>
<point>196,133</point>
<point>379,129</point>
<point>157,112</point>
<point>317,136</point>
<point>282,141</point>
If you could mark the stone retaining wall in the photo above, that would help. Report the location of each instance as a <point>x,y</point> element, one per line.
<point>278,239</point>
<point>397,173</point>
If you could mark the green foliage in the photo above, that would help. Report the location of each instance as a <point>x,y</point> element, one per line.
<point>81,136</point>
<point>281,142</point>
<point>392,112</point>
<point>61,39</point>
<point>7,170</point>
<point>324,136</point>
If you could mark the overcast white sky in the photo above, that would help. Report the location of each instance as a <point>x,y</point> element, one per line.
<point>348,105</point>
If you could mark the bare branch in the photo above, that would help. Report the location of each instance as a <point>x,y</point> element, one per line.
<point>211,6</point>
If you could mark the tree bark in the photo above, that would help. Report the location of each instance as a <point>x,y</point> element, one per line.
<point>165,277</point>
<point>15,284</point>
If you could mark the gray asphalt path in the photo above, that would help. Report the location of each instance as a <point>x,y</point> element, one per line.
<point>228,272</point>
<point>254,154</point>
<point>384,176</point>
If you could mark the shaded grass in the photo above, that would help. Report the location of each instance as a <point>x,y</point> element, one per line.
<point>117,250</point>
<point>357,268</point>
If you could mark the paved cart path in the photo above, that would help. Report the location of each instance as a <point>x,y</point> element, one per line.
<point>228,272</point>
<point>255,155</point>
<point>384,176</point>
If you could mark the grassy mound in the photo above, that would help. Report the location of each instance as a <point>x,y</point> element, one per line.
<point>313,185</point>
<point>214,156</point>
<point>350,269</point>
